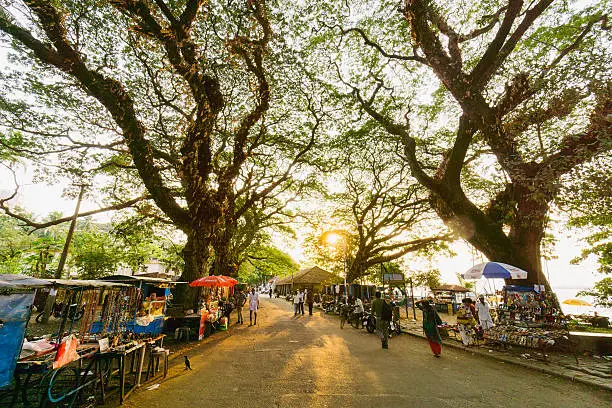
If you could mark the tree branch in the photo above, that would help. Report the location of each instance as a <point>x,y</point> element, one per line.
<point>376,46</point>
<point>39,225</point>
<point>109,92</point>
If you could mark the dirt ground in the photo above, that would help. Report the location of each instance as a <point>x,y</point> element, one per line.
<point>308,361</point>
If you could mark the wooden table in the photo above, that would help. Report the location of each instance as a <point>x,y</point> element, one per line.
<point>121,356</point>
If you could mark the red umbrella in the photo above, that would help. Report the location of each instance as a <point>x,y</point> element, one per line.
<point>211,281</point>
<point>231,280</point>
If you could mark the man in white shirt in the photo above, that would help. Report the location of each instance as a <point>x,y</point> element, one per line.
<point>484,315</point>
<point>253,306</point>
<point>296,302</point>
<point>302,298</point>
<point>359,310</point>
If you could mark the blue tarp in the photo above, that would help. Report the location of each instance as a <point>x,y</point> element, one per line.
<point>15,312</point>
<point>516,288</point>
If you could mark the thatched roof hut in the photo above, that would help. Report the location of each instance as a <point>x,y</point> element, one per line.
<point>311,278</point>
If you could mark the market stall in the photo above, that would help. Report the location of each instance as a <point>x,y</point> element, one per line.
<point>527,318</point>
<point>214,295</point>
<point>151,301</point>
<point>448,297</point>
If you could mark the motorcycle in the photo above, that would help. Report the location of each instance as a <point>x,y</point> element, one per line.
<point>369,320</point>
<point>328,307</point>
<point>73,312</point>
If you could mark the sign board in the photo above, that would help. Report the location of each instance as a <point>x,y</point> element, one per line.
<point>393,277</point>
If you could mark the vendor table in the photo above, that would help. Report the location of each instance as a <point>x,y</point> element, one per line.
<point>37,383</point>
<point>135,354</point>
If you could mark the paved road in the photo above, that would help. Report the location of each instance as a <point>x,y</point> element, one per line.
<point>308,361</point>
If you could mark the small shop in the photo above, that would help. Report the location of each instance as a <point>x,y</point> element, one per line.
<point>214,299</point>
<point>90,352</point>
<point>448,298</point>
<point>151,300</point>
<point>527,318</point>
<point>526,304</point>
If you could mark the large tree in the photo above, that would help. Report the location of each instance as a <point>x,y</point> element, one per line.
<point>185,92</point>
<point>387,215</point>
<point>522,99</point>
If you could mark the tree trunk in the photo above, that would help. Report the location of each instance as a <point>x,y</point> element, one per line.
<point>196,255</point>
<point>521,248</point>
<point>224,262</point>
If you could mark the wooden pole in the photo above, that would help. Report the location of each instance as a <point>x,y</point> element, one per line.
<point>412,298</point>
<point>60,267</point>
<point>62,261</point>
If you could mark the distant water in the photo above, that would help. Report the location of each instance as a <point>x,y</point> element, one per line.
<point>565,293</point>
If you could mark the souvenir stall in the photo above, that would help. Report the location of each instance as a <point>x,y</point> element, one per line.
<point>527,305</point>
<point>527,318</point>
<point>68,367</point>
<point>214,291</point>
<point>151,299</point>
<point>364,292</point>
<point>448,297</point>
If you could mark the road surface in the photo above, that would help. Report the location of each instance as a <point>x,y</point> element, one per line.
<point>308,361</point>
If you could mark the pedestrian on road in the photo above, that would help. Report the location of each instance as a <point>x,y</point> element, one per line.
<point>381,309</point>
<point>240,300</point>
<point>301,304</point>
<point>302,295</point>
<point>484,314</point>
<point>359,311</point>
<point>296,303</point>
<point>431,320</point>
<point>253,306</point>
<point>465,322</point>
<point>310,301</point>
<point>270,292</point>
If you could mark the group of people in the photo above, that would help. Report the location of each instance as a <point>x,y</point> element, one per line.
<point>240,298</point>
<point>466,321</point>
<point>301,297</point>
<point>467,315</point>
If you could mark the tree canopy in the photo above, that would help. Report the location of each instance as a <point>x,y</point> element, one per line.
<point>226,120</point>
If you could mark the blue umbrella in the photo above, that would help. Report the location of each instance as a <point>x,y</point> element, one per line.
<point>491,270</point>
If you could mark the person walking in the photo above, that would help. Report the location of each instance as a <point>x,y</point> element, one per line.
<point>380,310</point>
<point>270,292</point>
<point>253,306</point>
<point>465,322</point>
<point>296,303</point>
<point>359,311</point>
<point>431,320</point>
<point>484,313</point>
<point>302,295</point>
<point>240,300</point>
<point>310,301</point>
